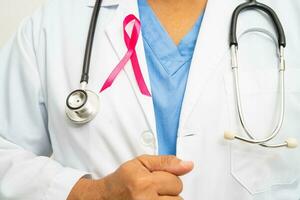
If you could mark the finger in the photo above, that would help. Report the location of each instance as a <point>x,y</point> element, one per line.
<point>170,198</point>
<point>166,183</point>
<point>169,164</point>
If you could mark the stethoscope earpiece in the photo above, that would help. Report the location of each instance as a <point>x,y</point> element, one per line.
<point>229,135</point>
<point>292,143</point>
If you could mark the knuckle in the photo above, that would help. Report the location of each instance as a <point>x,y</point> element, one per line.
<point>167,160</point>
<point>124,168</point>
<point>129,167</point>
<point>143,157</point>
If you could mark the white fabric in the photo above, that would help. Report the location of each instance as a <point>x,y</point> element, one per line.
<point>42,64</point>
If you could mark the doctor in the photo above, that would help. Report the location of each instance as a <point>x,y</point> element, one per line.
<point>163,140</point>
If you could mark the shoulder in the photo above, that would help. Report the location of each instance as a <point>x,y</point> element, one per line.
<point>55,16</point>
<point>59,9</point>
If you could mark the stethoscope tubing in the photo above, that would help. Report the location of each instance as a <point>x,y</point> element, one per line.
<point>90,42</point>
<point>254,5</point>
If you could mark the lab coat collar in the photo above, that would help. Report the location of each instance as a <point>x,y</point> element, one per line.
<point>212,45</point>
<point>105,3</point>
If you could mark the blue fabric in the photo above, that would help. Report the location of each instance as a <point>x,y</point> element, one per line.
<point>168,67</point>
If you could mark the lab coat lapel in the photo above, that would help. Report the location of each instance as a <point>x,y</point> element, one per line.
<point>212,45</point>
<point>114,33</point>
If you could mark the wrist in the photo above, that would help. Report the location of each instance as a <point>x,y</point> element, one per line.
<point>87,189</point>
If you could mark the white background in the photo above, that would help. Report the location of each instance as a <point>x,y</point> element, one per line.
<point>11,14</point>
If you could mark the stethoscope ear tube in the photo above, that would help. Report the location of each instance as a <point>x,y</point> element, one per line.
<point>289,143</point>
<point>256,5</point>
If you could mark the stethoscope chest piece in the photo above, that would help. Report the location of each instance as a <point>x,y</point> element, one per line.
<point>82,106</point>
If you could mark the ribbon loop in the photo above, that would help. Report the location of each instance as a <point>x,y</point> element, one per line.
<point>131,42</point>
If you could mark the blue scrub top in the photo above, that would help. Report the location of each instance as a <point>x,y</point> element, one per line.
<point>168,67</point>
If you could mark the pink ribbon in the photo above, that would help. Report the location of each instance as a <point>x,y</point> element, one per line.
<point>130,55</point>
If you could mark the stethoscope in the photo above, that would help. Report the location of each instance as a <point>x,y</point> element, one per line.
<point>82,104</point>
<point>290,142</point>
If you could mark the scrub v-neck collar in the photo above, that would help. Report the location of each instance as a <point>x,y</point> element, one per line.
<point>171,57</point>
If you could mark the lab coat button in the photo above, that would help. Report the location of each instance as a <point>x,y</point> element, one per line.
<point>148,138</point>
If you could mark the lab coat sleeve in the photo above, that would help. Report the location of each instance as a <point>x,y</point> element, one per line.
<point>26,170</point>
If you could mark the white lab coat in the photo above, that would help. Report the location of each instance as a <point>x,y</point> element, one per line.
<point>42,64</point>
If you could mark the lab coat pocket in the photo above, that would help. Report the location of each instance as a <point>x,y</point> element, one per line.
<point>257,168</point>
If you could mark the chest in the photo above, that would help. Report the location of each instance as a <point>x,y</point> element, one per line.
<point>177,17</point>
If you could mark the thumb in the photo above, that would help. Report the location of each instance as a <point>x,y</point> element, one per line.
<point>169,164</point>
